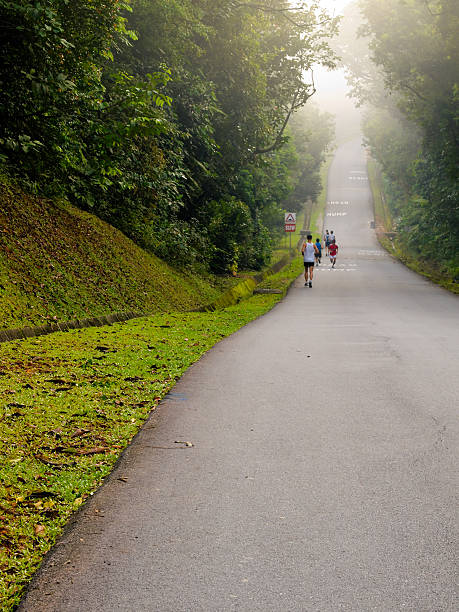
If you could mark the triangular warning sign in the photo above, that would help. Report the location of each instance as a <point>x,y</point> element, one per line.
<point>290,218</point>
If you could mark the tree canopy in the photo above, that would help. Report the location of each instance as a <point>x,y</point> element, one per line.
<point>405,71</point>
<point>168,118</point>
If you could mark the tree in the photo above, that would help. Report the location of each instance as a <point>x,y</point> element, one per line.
<point>155,117</point>
<point>413,82</point>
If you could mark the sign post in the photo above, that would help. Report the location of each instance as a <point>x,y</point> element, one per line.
<point>290,225</point>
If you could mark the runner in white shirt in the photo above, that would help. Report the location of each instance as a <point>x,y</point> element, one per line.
<point>326,241</point>
<point>308,250</point>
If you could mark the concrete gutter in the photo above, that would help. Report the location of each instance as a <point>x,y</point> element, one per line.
<point>7,335</point>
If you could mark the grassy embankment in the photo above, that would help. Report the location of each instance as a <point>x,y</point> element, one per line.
<point>59,263</point>
<point>392,242</point>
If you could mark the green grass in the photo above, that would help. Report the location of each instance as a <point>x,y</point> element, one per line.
<point>71,402</point>
<point>283,279</point>
<point>59,263</point>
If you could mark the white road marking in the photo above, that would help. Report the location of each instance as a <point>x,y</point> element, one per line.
<point>335,269</point>
<point>372,252</point>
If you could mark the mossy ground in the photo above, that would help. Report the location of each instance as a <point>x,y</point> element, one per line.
<point>59,263</point>
<point>72,401</point>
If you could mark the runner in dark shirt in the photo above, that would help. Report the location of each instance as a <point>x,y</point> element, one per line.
<point>318,253</point>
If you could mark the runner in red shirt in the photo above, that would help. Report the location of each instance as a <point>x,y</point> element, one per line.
<point>333,253</point>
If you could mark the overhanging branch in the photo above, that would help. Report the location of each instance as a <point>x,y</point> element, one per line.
<point>285,12</point>
<point>297,102</point>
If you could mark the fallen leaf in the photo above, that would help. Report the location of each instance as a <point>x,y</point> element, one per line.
<point>56,464</point>
<point>103,349</point>
<point>40,495</point>
<point>93,451</point>
<point>79,432</point>
<point>39,530</point>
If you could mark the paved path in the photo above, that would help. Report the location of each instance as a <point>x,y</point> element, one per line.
<point>322,475</point>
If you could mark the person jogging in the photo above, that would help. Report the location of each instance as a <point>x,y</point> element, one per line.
<point>319,251</point>
<point>308,250</point>
<point>326,241</point>
<point>333,253</point>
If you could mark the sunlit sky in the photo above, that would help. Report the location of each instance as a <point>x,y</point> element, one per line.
<point>331,85</point>
<point>328,81</point>
<point>334,5</point>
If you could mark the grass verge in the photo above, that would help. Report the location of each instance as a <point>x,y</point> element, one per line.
<point>71,402</point>
<point>283,279</point>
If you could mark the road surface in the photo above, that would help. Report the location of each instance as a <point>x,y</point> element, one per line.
<point>322,475</point>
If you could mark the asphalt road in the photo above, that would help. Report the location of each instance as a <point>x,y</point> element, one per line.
<point>323,472</point>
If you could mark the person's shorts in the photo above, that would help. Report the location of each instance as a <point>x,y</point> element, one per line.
<point>333,256</point>
<point>308,264</point>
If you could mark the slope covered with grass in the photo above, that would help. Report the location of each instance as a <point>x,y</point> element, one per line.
<point>57,262</point>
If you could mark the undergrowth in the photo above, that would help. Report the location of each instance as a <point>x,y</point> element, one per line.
<point>394,243</point>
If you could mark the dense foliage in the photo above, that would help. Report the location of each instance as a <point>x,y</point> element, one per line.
<point>405,70</point>
<point>167,118</point>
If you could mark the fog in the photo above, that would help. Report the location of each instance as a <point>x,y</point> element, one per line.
<point>332,89</point>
